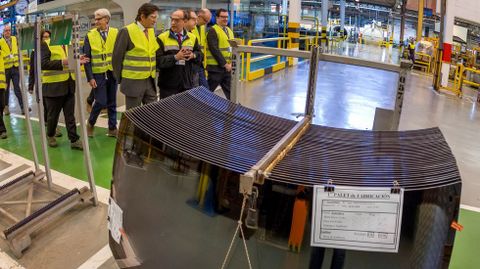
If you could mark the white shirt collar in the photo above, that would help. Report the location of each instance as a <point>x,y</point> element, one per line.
<point>141,26</point>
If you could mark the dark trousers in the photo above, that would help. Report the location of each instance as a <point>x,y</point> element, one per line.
<point>54,105</point>
<point>411,53</point>
<point>220,78</point>
<point>164,92</point>
<point>202,79</point>
<point>105,97</point>
<point>2,106</point>
<point>91,97</point>
<point>318,253</point>
<point>12,74</point>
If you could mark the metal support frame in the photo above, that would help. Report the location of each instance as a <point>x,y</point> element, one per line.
<point>404,70</point>
<point>81,109</point>
<point>39,94</point>
<point>420,20</point>
<point>238,49</point>
<point>262,169</point>
<point>26,107</point>
<point>19,235</point>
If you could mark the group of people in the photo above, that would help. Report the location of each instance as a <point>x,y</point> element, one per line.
<point>132,57</point>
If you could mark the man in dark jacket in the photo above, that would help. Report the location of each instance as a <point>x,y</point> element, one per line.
<point>219,54</point>
<point>58,88</point>
<point>31,78</point>
<point>176,58</point>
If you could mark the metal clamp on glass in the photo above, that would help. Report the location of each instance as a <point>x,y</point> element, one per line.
<point>329,187</point>
<point>396,187</point>
<point>251,221</point>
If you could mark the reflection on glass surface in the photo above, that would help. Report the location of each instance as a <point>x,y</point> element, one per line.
<point>182,212</point>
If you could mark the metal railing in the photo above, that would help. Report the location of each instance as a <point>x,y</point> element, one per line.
<point>424,61</point>
<point>251,75</point>
<point>401,70</point>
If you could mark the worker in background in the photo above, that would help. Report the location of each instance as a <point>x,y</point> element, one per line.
<point>177,56</point>
<point>219,54</point>
<point>9,47</point>
<point>3,86</point>
<point>192,26</point>
<point>411,49</point>
<point>98,46</point>
<point>134,62</point>
<point>58,88</point>
<point>45,34</point>
<point>200,31</point>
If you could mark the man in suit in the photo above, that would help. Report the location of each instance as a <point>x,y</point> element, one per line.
<point>219,54</point>
<point>134,61</point>
<point>177,57</point>
<point>58,88</point>
<point>98,46</point>
<point>197,24</point>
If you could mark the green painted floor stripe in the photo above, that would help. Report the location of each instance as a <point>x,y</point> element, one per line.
<point>70,162</point>
<point>465,253</point>
<point>62,158</point>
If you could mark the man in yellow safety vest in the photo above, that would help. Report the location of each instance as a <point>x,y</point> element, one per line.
<point>219,54</point>
<point>3,86</point>
<point>58,89</point>
<point>197,24</point>
<point>177,57</point>
<point>134,58</point>
<point>9,48</point>
<point>98,46</point>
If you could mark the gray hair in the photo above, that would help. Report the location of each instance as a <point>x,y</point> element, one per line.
<point>103,12</point>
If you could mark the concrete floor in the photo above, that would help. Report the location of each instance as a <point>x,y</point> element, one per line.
<point>346,97</point>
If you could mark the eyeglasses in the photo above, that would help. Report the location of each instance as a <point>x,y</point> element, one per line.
<point>98,19</point>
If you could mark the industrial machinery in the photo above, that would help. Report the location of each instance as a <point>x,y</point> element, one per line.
<point>202,182</point>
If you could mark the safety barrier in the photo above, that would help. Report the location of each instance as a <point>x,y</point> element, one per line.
<point>251,75</point>
<point>459,79</point>
<point>424,61</point>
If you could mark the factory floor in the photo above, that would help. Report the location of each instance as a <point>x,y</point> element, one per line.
<point>346,97</point>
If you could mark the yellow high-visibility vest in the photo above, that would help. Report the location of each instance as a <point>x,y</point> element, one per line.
<point>140,62</point>
<point>201,36</point>
<point>53,76</point>
<point>102,50</point>
<point>3,80</point>
<point>223,45</point>
<point>10,56</point>
<point>170,43</point>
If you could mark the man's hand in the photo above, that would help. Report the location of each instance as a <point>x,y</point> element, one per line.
<point>93,83</point>
<point>189,55</point>
<point>180,55</point>
<point>84,59</point>
<point>228,67</point>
